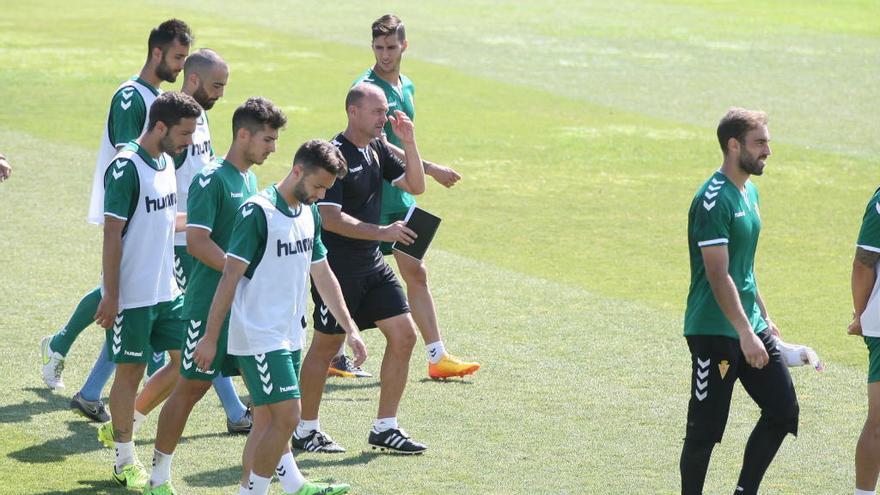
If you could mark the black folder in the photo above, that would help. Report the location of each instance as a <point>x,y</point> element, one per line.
<point>425,225</point>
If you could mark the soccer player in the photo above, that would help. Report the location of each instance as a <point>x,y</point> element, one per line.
<point>141,302</point>
<point>215,195</point>
<point>167,48</point>
<point>728,331</point>
<point>389,43</point>
<point>275,246</point>
<point>5,168</point>
<point>866,322</point>
<point>352,232</point>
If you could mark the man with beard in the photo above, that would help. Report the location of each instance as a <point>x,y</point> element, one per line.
<point>215,195</point>
<point>275,247</point>
<point>728,331</point>
<point>167,48</point>
<point>141,304</point>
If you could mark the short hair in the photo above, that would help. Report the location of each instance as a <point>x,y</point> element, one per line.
<point>358,92</point>
<point>201,60</point>
<point>171,107</point>
<point>389,24</point>
<point>166,33</point>
<point>317,153</point>
<point>736,123</point>
<point>255,113</point>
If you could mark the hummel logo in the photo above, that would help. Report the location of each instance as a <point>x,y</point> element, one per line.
<point>281,471</point>
<point>247,211</point>
<point>336,143</point>
<point>117,174</point>
<point>710,195</point>
<point>125,104</point>
<point>127,92</point>
<point>134,354</point>
<point>236,195</point>
<point>191,344</point>
<point>288,389</point>
<point>739,214</point>
<point>716,181</point>
<point>324,309</point>
<point>120,164</point>
<point>158,357</point>
<point>708,206</point>
<point>204,182</point>
<point>702,382</point>
<point>713,188</point>
<point>356,169</point>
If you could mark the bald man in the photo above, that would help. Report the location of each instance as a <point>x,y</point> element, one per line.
<point>351,231</point>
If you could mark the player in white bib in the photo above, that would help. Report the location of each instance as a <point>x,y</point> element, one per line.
<point>275,247</point>
<point>168,45</point>
<point>141,302</point>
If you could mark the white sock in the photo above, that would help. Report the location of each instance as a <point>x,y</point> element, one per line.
<point>243,490</point>
<point>138,421</point>
<point>865,492</point>
<point>124,454</point>
<point>259,485</point>
<point>161,468</point>
<point>435,351</point>
<point>288,474</point>
<point>384,424</point>
<point>306,426</point>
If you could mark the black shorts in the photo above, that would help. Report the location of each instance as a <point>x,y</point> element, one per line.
<point>369,298</point>
<point>717,362</point>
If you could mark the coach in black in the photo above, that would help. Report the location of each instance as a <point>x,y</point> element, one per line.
<point>350,216</point>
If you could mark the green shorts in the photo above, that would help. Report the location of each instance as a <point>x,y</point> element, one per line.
<point>272,377</point>
<point>387,218</point>
<point>183,264</point>
<point>225,364</point>
<point>139,332</point>
<point>873,344</point>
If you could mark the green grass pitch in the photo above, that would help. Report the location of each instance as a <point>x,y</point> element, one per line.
<point>582,129</point>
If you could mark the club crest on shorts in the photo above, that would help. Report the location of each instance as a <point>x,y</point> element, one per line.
<point>722,368</point>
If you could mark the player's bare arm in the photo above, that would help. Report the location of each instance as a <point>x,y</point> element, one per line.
<point>338,222</point>
<point>771,325</point>
<point>5,168</point>
<point>110,259</point>
<point>180,222</point>
<point>206,349</point>
<point>413,181</point>
<point>864,274</point>
<point>203,248</point>
<point>717,261</point>
<point>328,287</point>
<point>446,176</point>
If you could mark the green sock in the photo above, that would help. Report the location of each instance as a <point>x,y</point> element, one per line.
<point>82,317</point>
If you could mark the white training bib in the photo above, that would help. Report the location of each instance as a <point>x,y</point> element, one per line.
<point>107,151</point>
<point>146,271</point>
<point>268,308</point>
<point>198,155</point>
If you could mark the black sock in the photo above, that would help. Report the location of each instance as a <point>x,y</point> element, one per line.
<point>762,446</point>
<point>693,465</point>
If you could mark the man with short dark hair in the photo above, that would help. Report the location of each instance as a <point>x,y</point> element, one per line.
<point>726,324</point>
<point>141,302</point>
<point>351,231</point>
<point>275,247</point>
<point>215,194</point>
<point>389,43</point>
<point>167,48</point>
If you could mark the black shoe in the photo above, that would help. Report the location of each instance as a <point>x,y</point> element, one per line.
<point>342,366</point>
<point>316,441</point>
<point>243,425</point>
<point>93,410</point>
<point>396,441</point>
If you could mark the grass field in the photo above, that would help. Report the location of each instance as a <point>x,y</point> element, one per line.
<point>582,130</point>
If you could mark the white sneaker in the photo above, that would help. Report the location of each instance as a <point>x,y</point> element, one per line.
<point>53,365</point>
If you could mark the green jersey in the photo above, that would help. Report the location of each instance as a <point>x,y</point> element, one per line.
<point>721,214</point>
<point>869,240</point>
<point>215,194</point>
<point>400,97</point>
